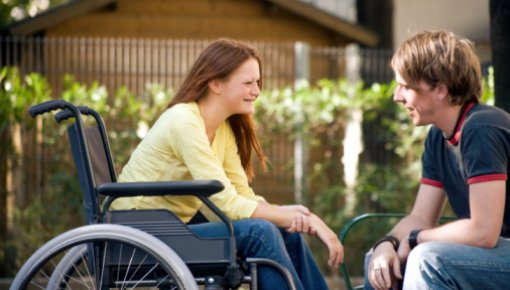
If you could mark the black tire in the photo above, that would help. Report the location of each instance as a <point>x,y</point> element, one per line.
<point>104,256</point>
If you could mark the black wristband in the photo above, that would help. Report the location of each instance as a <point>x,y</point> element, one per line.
<point>392,239</point>
<point>413,238</point>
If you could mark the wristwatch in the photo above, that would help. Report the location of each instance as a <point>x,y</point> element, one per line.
<point>413,238</point>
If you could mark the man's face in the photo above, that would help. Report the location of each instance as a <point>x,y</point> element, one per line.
<point>418,99</point>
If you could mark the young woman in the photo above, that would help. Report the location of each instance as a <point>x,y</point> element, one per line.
<point>207,132</point>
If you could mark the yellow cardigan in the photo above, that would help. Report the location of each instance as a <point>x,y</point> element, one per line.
<point>177,148</point>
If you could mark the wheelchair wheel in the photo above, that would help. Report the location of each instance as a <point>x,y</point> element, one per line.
<point>104,256</point>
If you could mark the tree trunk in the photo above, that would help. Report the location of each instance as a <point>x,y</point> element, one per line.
<point>3,186</point>
<point>377,15</point>
<point>4,149</point>
<point>500,43</point>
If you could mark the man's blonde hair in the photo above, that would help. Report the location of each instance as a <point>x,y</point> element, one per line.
<point>441,56</point>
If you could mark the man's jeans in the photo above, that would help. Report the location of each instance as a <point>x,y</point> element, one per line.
<point>258,238</point>
<point>439,265</point>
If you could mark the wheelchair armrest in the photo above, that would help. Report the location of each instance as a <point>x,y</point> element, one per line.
<point>192,187</point>
<point>199,188</point>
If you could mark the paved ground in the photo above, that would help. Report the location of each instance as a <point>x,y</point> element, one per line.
<point>336,283</point>
<point>4,283</point>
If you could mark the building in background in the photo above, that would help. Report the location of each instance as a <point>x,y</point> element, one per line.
<point>395,20</point>
<point>468,18</point>
<point>255,20</point>
<point>134,43</point>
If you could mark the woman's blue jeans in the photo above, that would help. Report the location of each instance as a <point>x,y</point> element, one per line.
<point>439,265</point>
<point>258,238</point>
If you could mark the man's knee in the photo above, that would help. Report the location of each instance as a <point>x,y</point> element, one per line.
<point>426,257</point>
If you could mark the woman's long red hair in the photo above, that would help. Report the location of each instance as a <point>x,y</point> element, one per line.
<point>218,61</point>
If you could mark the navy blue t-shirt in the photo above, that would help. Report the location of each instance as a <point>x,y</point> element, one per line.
<point>479,152</point>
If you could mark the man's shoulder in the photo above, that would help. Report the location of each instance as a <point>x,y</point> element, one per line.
<point>482,110</point>
<point>487,116</point>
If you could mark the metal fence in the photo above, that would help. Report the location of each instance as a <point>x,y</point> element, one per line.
<point>134,63</point>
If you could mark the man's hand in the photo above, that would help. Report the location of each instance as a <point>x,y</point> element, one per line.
<point>384,267</point>
<point>404,249</point>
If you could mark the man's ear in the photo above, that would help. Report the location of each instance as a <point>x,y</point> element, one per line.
<point>214,86</point>
<point>441,90</point>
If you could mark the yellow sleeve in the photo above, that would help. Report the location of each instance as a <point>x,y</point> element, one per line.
<point>186,134</point>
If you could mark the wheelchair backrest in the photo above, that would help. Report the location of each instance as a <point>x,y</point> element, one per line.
<point>92,158</point>
<point>94,165</point>
<point>99,158</point>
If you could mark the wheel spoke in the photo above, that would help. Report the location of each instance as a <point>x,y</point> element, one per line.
<point>103,257</point>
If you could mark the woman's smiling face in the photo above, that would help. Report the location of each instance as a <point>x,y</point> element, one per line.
<point>240,90</point>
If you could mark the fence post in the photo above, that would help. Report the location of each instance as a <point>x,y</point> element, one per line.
<point>302,77</point>
<point>352,143</point>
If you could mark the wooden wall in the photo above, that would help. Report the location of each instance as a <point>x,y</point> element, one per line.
<point>255,20</point>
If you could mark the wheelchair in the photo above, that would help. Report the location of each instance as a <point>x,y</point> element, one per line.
<point>149,249</point>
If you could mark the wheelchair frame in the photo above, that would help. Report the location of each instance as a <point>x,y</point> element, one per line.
<point>152,238</point>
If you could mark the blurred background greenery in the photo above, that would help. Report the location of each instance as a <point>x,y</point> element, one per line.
<point>56,205</point>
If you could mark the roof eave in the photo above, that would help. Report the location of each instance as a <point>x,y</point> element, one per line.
<point>336,24</point>
<point>41,22</point>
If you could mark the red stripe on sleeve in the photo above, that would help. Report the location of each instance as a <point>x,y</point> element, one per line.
<point>488,177</point>
<point>432,182</point>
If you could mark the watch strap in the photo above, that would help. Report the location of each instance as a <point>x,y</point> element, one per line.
<point>413,238</point>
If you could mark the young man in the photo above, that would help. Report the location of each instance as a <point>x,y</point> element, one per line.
<point>465,162</point>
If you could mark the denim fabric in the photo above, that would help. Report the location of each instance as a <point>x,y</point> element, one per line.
<point>258,238</point>
<point>439,265</point>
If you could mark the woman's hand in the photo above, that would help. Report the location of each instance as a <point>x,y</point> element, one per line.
<point>295,207</point>
<point>300,222</point>
<point>297,218</point>
<point>329,238</point>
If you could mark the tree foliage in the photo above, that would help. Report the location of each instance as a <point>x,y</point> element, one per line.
<point>15,10</point>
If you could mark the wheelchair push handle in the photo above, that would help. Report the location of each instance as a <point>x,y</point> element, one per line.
<point>66,114</point>
<point>47,106</point>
